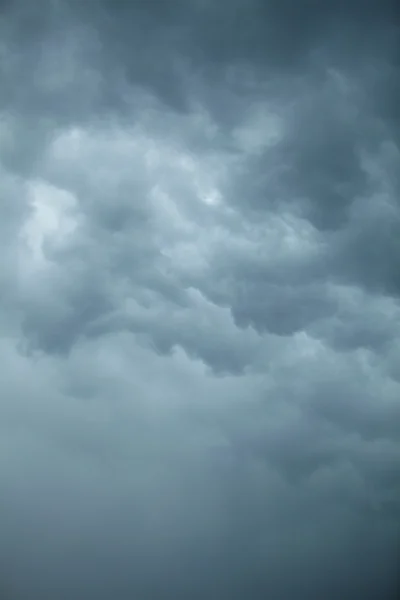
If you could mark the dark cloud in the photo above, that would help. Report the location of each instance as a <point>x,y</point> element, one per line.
<point>199,318</point>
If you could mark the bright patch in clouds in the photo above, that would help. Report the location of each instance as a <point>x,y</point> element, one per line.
<point>52,220</point>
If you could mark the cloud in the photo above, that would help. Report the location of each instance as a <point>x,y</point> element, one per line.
<point>199,322</point>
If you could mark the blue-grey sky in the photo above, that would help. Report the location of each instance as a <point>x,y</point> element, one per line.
<point>199,310</point>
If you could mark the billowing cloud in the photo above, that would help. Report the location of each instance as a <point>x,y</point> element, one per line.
<point>199,318</point>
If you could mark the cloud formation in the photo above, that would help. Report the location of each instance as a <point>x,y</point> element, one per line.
<point>199,318</point>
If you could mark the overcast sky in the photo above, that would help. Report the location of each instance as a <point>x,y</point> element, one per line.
<point>199,310</point>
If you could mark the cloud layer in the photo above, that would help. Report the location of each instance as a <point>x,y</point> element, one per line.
<point>199,318</point>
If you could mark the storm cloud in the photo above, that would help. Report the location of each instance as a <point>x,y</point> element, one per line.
<point>199,309</point>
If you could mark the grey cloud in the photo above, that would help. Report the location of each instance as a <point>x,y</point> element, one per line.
<point>199,313</point>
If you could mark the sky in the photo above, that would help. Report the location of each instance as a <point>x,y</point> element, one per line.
<point>199,309</point>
